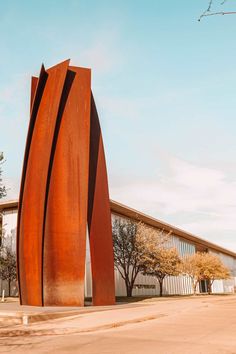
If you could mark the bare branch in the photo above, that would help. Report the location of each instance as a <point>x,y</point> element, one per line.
<point>217,13</point>
<point>208,12</point>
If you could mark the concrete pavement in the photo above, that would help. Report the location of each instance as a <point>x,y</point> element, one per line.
<point>181,325</point>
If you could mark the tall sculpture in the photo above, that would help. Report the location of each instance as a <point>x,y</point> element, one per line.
<point>64,189</point>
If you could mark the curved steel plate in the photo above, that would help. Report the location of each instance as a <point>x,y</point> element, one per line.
<point>65,228</point>
<point>33,199</point>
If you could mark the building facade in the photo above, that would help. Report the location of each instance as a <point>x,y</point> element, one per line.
<point>184,242</point>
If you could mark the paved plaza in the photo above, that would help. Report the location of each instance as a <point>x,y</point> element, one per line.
<point>204,324</point>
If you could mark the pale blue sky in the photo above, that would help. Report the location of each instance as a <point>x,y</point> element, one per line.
<point>165,88</point>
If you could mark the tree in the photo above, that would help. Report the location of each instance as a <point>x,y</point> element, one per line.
<point>204,266</point>
<point>159,262</point>
<point>2,187</point>
<point>2,194</point>
<point>210,12</point>
<point>191,266</point>
<point>8,266</point>
<point>213,269</point>
<point>125,251</point>
<point>128,239</point>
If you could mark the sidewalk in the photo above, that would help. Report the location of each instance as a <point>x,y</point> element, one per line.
<point>12,313</point>
<point>61,320</point>
<point>193,325</point>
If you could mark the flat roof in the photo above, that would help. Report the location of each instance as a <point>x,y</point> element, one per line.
<point>123,210</point>
<point>9,204</point>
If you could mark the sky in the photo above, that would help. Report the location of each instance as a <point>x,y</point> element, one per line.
<point>165,87</point>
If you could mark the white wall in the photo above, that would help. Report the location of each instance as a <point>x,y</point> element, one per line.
<point>144,285</point>
<point>9,223</point>
<point>225,286</point>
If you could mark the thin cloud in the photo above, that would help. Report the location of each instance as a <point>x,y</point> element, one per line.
<point>199,199</point>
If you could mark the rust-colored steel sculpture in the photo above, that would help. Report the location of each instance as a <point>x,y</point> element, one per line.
<point>100,235</point>
<point>63,188</point>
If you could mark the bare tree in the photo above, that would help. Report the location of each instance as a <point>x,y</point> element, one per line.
<point>2,194</point>
<point>8,266</point>
<point>129,238</point>
<point>210,12</point>
<point>125,251</point>
<point>2,187</point>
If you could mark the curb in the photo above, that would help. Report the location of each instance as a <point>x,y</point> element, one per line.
<point>61,331</point>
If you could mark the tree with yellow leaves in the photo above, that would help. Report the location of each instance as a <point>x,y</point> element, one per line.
<point>156,258</point>
<point>204,266</point>
<point>192,266</point>
<point>213,269</point>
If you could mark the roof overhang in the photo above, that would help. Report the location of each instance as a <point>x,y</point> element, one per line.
<point>123,210</point>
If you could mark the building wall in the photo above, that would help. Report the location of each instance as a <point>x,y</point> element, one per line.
<point>144,285</point>
<point>226,286</point>
<point>8,237</point>
<point>9,222</point>
<point>147,285</point>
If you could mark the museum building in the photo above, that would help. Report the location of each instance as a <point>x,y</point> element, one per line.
<point>185,243</point>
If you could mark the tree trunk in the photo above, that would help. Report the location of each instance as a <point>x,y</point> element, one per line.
<point>9,286</point>
<point>194,288</point>
<point>209,287</point>
<point>129,288</point>
<point>161,287</point>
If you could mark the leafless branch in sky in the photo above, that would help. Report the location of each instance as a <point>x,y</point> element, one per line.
<point>209,12</point>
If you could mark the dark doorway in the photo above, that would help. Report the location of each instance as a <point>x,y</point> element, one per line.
<point>203,286</point>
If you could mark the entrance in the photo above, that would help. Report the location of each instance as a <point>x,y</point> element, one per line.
<point>203,286</point>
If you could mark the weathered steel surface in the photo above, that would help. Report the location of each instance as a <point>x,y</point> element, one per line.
<point>20,239</point>
<point>34,83</point>
<point>99,218</point>
<point>33,200</point>
<point>64,186</point>
<point>66,217</point>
